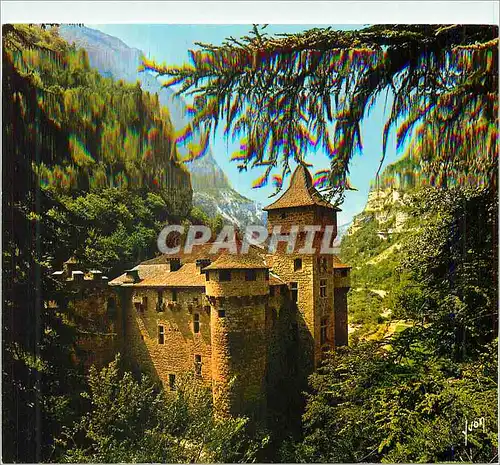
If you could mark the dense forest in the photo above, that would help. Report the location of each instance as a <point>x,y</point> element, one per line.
<point>90,169</point>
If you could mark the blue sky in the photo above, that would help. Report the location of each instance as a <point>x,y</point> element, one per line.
<point>170,43</point>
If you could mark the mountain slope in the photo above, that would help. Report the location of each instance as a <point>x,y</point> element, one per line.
<point>212,191</point>
<point>371,246</point>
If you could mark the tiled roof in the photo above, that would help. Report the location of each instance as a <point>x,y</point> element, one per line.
<point>300,193</point>
<point>199,252</point>
<point>338,264</point>
<point>226,260</point>
<point>188,275</point>
<point>275,280</point>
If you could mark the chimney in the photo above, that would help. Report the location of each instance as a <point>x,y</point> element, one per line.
<point>96,275</point>
<point>175,264</point>
<point>69,266</point>
<point>201,263</point>
<point>78,276</point>
<point>133,275</point>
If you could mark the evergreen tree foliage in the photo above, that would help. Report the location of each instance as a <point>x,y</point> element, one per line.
<point>89,168</point>
<point>290,94</point>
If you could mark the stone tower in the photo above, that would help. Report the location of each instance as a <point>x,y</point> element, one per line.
<point>237,288</point>
<point>308,273</point>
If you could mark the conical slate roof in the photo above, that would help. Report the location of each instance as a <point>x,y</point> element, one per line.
<point>300,193</point>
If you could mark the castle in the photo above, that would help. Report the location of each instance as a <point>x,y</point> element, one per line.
<point>220,316</point>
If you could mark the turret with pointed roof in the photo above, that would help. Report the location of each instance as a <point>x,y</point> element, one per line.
<point>301,193</point>
<point>301,205</point>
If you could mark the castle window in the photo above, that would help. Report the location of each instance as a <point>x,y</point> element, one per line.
<point>196,322</point>
<point>160,306</point>
<point>171,382</point>
<point>197,365</point>
<point>138,306</point>
<point>294,287</point>
<point>250,275</point>
<point>111,304</point>
<point>224,275</point>
<point>297,264</point>
<point>341,273</point>
<point>161,334</point>
<point>322,288</point>
<point>222,313</point>
<point>323,329</point>
<point>174,295</point>
<point>207,275</point>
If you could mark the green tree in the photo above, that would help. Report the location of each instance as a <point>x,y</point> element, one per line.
<point>134,421</point>
<point>370,404</point>
<point>450,274</point>
<point>88,166</point>
<point>283,94</point>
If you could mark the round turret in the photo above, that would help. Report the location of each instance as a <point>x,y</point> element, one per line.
<point>237,288</point>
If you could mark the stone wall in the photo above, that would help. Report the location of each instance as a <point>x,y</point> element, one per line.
<point>341,328</point>
<point>238,285</point>
<point>180,343</point>
<point>239,352</point>
<point>239,324</point>
<point>94,313</point>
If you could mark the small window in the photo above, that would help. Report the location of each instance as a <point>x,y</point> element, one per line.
<point>160,297</point>
<point>207,275</point>
<point>161,334</point>
<point>222,313</point>
<point>174,295</point>
<point>323,330</point>
<point>271,291</point>
<point>297,264</point>
<point>266,275</point>
<point>322,288</point>
<point>322,264</point>
<point>144,303</point>
<point>171,382</point>
<point>196,323</point>
<point>197,365</point>
<point>138,306</point>
<point>294,287</point>
<point>111,304</point>
<point>224,275</point>
<point>250,275</point>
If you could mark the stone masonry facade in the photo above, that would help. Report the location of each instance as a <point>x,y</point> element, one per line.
<point>215,316</point>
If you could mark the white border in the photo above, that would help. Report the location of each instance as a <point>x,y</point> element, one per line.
<point>248,12</point>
